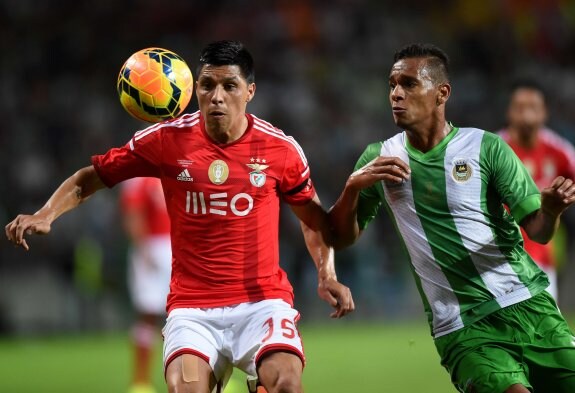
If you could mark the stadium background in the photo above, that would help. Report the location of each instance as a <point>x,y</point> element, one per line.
<point>321,71</point>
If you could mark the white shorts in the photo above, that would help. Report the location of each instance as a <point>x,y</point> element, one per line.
<point>149,275</point>
<point>235,335</point>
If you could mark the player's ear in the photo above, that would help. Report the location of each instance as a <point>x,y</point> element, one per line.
<point>251,92</point>
<point>443,93</point>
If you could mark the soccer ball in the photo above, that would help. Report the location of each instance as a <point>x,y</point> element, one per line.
<point>155,84</point>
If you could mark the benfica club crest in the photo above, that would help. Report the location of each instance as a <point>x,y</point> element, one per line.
<point>257,176</point>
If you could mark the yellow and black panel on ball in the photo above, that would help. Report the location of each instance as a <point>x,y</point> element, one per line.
<point>155,84</point>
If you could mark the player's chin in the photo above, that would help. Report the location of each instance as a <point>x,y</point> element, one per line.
<point>217,123</point>
<point>400,120</point>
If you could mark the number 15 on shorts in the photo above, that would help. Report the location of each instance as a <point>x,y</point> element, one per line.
<point>287,329</point>
<point>278,329</point>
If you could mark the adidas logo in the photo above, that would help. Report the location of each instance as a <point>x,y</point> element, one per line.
<point>185,176</point>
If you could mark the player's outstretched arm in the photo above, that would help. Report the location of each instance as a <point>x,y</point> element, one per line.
<point>555,199</point>
<point>317,235</point>
<point>73,191</point>
<point>343,214</point>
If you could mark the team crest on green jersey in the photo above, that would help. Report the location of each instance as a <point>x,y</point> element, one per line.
<point>461,170</point>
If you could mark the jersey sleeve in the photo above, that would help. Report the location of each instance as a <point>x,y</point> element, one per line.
<point>511,179</point>
<point>296,186</point>
<point>369,198</point>
<point>140,157</point>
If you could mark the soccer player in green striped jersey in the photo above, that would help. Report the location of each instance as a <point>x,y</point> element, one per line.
<point>447,188</point>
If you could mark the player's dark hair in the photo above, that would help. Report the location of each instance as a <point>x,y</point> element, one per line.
<point>227,52</point>
<point>437,59</point>
<point>527,83</point>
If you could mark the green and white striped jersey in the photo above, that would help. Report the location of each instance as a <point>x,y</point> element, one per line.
<point>465,249</point>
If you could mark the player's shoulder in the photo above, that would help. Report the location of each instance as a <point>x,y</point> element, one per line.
<point>171,126</point>
<point>184,121</point>
<point>265,129</point>
<point>272,134</point>
<point>479,134</point>
<point>467,130</point>
<point>387,146</point>
<point>553,139</point>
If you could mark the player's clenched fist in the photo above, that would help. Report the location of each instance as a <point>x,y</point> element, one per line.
<point>337,295</point>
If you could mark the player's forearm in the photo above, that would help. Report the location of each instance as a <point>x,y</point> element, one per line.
<point>318,243</point>
<point>343,218</point>
<point>317,233</point>
<point>326,265</point>
<point>541,226</point>
<point>71,193</point>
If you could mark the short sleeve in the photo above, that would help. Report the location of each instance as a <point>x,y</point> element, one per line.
<point>511,179</point>
<point>296,185</point>
<point>140,157</point>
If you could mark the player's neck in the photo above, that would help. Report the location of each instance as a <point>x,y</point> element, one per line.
<point>230,134</point>
<point>427,138</point>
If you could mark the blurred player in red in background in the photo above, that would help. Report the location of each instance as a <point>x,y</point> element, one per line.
<point>147,224</point>
<point>224,173</point>
<point>544,153</point>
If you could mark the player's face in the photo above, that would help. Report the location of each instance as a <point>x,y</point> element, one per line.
<point>223,94</point>
<point>412,93</point>
<point>527,112</point>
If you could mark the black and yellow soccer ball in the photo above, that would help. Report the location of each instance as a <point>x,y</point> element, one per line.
<point>155,84</point>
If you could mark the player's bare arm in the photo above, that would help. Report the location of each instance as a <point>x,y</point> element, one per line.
<point>317,235</point>
<point>72,192</point>
<point>555,199</point>
<point>343,214</point>
<point>389,169</point>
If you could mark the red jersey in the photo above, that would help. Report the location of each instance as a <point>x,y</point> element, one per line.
<point>552,156</point>
<point>145,194</point>
<point>223,201</point>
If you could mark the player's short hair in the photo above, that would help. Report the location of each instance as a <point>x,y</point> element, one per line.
<point>437,59</point>
<point>228,52</point>
<point>526,83</point>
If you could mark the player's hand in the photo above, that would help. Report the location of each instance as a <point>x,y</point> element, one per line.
<point>337,295</point>
<point>558,196</point>
<point>26,224</point>
<point>389,169</point>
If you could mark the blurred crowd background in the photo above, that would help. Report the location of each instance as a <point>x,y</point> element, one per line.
<point>321,74</point>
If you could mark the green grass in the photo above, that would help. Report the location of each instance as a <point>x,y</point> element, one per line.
<point>373,358</point>
<point>341,357</point>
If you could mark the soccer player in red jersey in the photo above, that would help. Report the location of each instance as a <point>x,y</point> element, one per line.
<point>223,172</point>
<point>544,153</point>
<point>147,224</point>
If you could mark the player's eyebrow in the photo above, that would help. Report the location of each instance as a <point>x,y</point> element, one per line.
<point>403,78</point>
<point>225,79</point>
<point>228,79</point>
